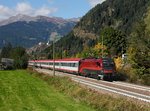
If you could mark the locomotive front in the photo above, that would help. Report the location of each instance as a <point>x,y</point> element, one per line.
<point>108,69</point>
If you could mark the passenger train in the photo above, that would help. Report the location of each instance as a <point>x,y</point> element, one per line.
<point>101,68</point>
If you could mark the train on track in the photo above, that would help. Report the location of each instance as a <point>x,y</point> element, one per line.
<point>101,68</point>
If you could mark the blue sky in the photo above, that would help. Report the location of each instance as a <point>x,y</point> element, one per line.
<point>58,8</point>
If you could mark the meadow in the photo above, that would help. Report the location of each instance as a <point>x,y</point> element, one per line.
<point>27,90</point>
<point>21,91</point>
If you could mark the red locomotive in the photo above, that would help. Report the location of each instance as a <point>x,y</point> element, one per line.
<point>102,68</point>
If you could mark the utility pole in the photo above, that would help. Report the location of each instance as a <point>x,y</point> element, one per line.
<point>53,38</point>
<point>54,57</point>
<point>102,47</point>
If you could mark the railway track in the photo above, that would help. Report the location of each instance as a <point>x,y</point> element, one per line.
<point>144,88</point>
<point>138,92</point>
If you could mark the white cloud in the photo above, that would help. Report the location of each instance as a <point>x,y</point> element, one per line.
<point>25,8</point>
<point>4,12</point>
<point>45,11</point>
<point>95,2</point>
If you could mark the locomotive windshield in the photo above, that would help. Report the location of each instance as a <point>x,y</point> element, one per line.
<point>108,64</point>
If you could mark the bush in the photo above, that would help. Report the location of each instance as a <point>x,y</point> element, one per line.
<point>146,79</point>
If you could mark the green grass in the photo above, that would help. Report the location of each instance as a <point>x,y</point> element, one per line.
<point>98,101</point>
<point>20,91</point>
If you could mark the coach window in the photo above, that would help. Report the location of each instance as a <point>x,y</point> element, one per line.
<point>76,64</point>
<point>63,64</point>
<point>69,64</point>
<point>72,64</point>
<point>56,64</point>
<point>51,63</point>
<point>66,64</point>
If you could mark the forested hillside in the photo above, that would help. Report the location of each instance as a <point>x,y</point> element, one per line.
<point>120,15</point>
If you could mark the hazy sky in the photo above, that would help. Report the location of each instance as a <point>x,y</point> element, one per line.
<point>58,8</point>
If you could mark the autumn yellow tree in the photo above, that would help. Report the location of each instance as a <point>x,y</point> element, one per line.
<point>95,51</point>
<point>118,62</point>
<point>99,49</point>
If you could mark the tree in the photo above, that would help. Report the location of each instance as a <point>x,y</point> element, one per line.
<point>99,49</point>
<point>95,51</point>
<point>6,51</point>
<point>17,53</point>
<point>20,57</point>
<point>115,40</point>
<point>139,53</point>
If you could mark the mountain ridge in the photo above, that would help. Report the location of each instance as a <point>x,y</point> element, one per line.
<point>27,31</point>
<point>26,18</point>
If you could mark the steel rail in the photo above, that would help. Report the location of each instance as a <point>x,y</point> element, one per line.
<point>115,90</point>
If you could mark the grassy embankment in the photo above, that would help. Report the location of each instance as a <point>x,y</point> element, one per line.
<point>21,91</point>
<point>31,91</point>
<point>98,101</point>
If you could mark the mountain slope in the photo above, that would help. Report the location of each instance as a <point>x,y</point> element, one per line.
<point>118,14</point>
<point>22,30</point>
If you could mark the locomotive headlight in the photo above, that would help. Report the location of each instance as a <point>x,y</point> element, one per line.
<point>102,72</point>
